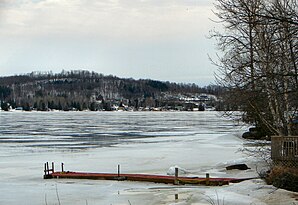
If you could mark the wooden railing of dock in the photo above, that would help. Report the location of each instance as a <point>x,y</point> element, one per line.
<point>284,150</point>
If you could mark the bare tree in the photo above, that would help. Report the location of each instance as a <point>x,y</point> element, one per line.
<point>259,60</point>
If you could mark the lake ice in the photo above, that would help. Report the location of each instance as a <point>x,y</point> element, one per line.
<point>141,142</point>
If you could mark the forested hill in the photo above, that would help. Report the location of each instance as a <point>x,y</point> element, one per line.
<point>90,90</point>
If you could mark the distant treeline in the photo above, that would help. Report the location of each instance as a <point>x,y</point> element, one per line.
<point>81,89</point>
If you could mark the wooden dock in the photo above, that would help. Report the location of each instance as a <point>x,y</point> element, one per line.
<point>50,173</point>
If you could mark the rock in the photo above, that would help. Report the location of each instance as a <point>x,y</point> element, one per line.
<point>248,135</point>
<point>254,134</point>
<point>238,166</point>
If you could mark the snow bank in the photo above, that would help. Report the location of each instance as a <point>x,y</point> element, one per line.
<point>181,170</point>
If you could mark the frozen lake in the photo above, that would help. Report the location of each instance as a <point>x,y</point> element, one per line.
<point>141,142</point>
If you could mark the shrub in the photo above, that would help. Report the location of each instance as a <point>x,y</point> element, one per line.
<point>283,177</point>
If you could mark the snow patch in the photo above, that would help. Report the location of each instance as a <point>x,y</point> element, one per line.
<point>181,170</point>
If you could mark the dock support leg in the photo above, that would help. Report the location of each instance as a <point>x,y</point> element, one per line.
<point>118,171</point>
<point>48,169</point>
<point>47,174</point>
<point>207,179</point>
<point>45,169</point>
<point>176,181</point>
<point>53,167</point>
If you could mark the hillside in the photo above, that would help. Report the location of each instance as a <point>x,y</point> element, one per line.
<point>82,90</point>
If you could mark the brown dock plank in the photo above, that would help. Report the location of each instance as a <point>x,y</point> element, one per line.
<point>145,178</point>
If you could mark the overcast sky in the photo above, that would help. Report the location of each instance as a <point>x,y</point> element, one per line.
<point>157,39</point>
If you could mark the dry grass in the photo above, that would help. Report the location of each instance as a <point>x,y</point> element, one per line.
<point>283,177</point>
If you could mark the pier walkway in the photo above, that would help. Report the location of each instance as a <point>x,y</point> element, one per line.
<point>208,181</point>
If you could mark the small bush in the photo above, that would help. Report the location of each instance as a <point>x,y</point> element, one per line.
<point>283,177</point>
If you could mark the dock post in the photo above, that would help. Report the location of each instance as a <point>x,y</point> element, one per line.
<point>207,179</point>
<point>48,169</point>
<point>176,182</point>
<point>118,171</point>
<point>62,167</point>
<point>45,169</point>
<point>53,167</point>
